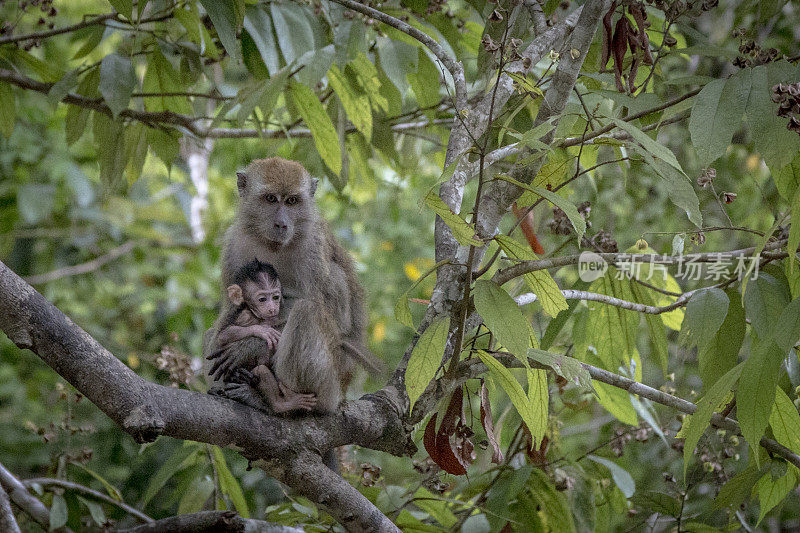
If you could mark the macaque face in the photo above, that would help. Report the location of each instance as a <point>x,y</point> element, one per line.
<point>263,298</point>
<point>282,212</point>
<point>277,199</point>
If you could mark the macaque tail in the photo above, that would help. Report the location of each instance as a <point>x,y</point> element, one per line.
<point>365,358</point>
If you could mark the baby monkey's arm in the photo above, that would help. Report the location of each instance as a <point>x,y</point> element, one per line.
<point>233,333</point>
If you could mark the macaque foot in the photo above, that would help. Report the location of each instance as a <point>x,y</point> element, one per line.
<point>294,401</point>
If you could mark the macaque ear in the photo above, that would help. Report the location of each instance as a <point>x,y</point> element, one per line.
<point>312,188</point>
<point>241,181</point>
<point>235,294</point>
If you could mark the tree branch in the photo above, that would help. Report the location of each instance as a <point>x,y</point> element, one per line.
<point>291,449</point>
<point>209,522</point>
<point>83,268</point>
<point>23,499</point>
<point>523,267</point>
<point>475,367</point>
<point>97,495</point>
<point>98,20</point>
<point>529,297</point>
<point>7,521</point>
<point>454,67</point>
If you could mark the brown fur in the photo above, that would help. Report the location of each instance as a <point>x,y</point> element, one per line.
<point>316,273</point>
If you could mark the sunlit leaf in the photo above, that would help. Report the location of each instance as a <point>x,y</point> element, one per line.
<point>426,357</point>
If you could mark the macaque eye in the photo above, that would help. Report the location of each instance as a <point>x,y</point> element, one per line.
<point>276,297</point>
<point>262,299</point>
<point>292,200</point>
<point>270,198</point>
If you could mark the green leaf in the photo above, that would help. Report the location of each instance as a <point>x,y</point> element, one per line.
<point>93,35</point>
<point>8,109</point>
<point>610,329</point>
<point>425,81</point>
<point>734,492</point>
<point>110,489</point>
<point>182,457</point>
<point>435,506</point>
<point>567,367</point>
<point>117,82</point>
<point>723,350</point>
<point>542,498</point>
<point>354,102</point>
<point>772,491</point>
<point>316,64</point>
<point>694,425</point>
<point>325,138</point>
<point>772,140</point>
<point>617,402</point>
<point>562,203</point>
<point>787,329</point>
<point>402,311</point>
<point>794,228</point>
<point>293,26</point>
<point>368,78</point>
<point>136,147</point>
<point>258,24</point>
<point>463,232</point>
<point>162,78</point>
<point>756,392</point>
<point>95,510</point>
<point>109,135</point>
<point>58,512</point>
<point>655,148</point>
<point>164,144</point>
<point>655,327</point>
<point>228,484</point>
<point>764,300</point>
<point>705,313</point>
<point>540,282</point>
<point>787,178</point>
<point>717,114</point>
<point>680,190</point>
<point>35,202</point>
<point>46,71</point>
<point>522,403</point>
<point>502,316</point>
<point>426,358</point>
<point>224,18</point>
<point>123,7</point>
<point>621,476</point>
<point>63,86</point>
<point>539,400</point>
<point>785,421</point>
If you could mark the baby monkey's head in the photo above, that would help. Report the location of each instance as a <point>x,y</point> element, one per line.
<point>257,288</point>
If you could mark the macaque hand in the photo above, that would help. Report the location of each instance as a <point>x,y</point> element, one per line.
<point>227,360</point>
<point>268,333</point>
<point>243,393</point>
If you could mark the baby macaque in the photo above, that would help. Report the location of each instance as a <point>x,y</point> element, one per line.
<point>255,298</point>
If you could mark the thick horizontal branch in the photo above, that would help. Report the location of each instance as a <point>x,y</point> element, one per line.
<point>505,275</point>
<point>288,448</point>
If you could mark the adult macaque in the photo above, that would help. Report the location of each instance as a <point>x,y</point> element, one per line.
<point>323,303</point>
<point>255,298</point>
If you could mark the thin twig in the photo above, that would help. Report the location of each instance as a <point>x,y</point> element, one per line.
<point>83,268</point>
<point>77,487</point>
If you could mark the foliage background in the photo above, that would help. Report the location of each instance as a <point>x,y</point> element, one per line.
<point>58,209</point>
